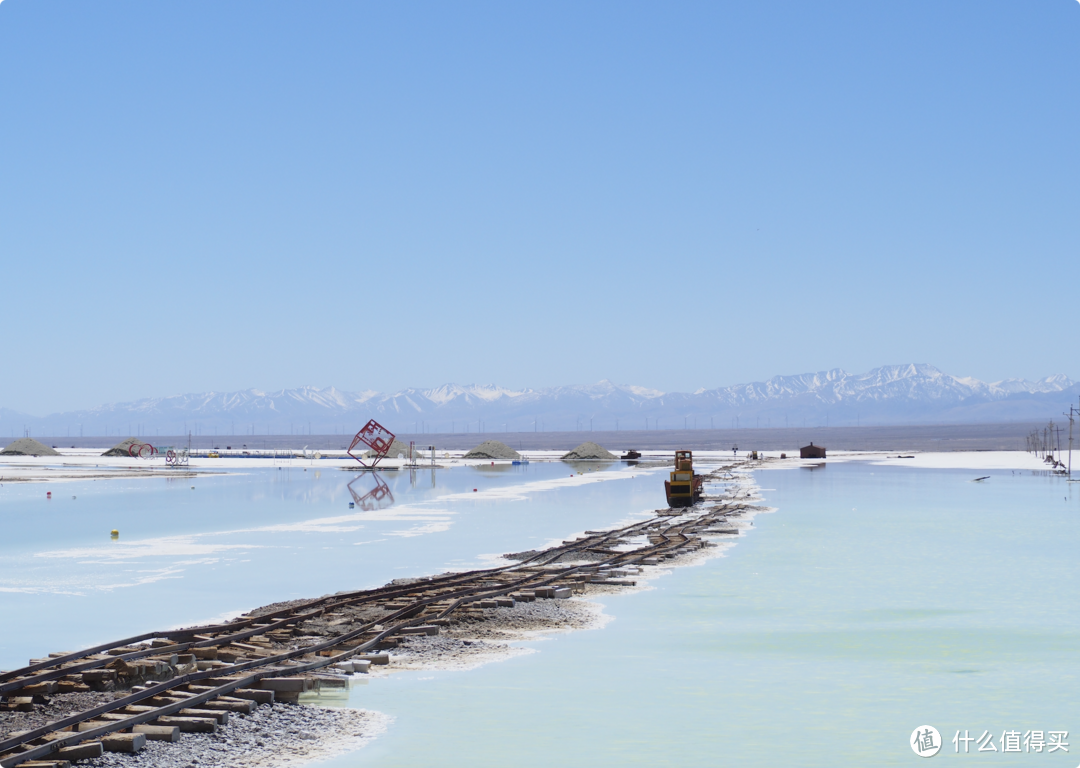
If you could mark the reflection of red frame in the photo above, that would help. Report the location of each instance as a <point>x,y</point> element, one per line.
<point>374,498</point>
<point>376,437</point>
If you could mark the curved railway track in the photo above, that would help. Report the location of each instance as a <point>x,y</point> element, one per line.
<point>193,695</point>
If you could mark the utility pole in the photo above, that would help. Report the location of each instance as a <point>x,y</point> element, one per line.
<point>1072,412</point>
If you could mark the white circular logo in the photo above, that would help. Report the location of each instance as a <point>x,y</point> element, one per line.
<point>925,741</point>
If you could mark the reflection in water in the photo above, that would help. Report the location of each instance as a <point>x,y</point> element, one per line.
<point>582,467</point>
<point>503,467</point>
<point>493,467</point>
<point>412,476</point>
<point>370,499</point>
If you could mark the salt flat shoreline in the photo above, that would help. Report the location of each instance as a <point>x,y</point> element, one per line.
<point>80,465</point>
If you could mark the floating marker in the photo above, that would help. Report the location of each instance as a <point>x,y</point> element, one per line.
<point>114,533</point>
<point>48,494</point>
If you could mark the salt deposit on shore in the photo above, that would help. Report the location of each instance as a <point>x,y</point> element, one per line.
<point>397,449</point>
<point>589,451</point>
<point>974,460</point>
<point>123,448</point>
<point>43,470</point>
<point>493,449</point>
<point>27,446</point>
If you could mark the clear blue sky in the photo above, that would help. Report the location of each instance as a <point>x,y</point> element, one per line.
<point>209,195</point>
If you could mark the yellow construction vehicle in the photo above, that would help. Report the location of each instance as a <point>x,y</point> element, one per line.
<point>684,487</point>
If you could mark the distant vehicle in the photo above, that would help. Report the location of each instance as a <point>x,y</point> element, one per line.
<point>214,455</point>
<point>684,487</point>
<point>631,454</point>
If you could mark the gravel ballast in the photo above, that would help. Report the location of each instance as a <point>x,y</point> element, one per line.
<point>278,735</point>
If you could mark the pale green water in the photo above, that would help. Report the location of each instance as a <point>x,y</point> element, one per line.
<point>874,601</point>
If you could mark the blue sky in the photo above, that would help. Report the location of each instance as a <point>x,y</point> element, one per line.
<point>214,196</point>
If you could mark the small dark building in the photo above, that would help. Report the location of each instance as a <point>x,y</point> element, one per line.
<point>812,452</point>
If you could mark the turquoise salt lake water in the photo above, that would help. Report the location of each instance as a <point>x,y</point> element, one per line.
<point>874,600</point>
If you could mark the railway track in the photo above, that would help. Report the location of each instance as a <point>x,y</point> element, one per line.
<point>191,680</point>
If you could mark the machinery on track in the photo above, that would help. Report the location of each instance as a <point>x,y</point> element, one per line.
<point>683,488</point>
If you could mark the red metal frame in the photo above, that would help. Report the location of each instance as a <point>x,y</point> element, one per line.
<point>140,450</point>
<point>376,437</point>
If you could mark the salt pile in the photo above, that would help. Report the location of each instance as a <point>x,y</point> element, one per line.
<point>492,449</point>
<point>124,448</point>
<point>589,451</point>
<point>397,448</point>
<point>28,446</point>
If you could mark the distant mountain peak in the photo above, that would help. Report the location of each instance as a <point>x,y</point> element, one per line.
<point>904,393</point>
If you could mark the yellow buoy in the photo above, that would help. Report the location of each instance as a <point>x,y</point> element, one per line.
<point>114,533</point>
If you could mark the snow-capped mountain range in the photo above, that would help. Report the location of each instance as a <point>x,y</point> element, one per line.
<point>900,394</point>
